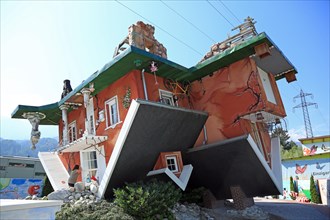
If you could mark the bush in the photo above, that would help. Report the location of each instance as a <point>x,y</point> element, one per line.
<point>194,195</point>
<point>315,197</point>
<point>47,187</point>
<point>151,200</point>
<point>101,211</point>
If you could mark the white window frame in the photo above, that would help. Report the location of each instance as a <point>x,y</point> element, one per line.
<point>86,165</point>
<point>166,96</point>
<point>264,76</point>
<point>109,121</point>
<point>72,136</point>
<point>175,159</point>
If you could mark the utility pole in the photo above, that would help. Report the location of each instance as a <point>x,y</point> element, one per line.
<point>304,105</point>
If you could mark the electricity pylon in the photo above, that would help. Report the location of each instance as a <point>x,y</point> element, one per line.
<point>304,105</point>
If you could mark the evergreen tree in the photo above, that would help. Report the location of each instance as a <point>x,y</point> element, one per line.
<point>315,196</point>
<point>47,189</point>
<point>292,189</point>
<point>284,137</point>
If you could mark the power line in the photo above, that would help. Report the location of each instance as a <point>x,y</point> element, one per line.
<point>159,28</point>
<point>304,105</point>
<point>230,11</point>
<point>220,13</point>
<point>214,41</point>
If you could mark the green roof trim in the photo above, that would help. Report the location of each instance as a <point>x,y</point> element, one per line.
<point>52,112</point>
<point>136,59</point>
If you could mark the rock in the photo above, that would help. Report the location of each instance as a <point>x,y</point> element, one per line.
<point>79,186</point>
<point>190,212</point>
<point>28,198</point>
<point>77,196</point>
<point>59,194</point>
<point>252,212</point>
<point>71,189</point>
<point>93,188</point>
<point>91,197</point>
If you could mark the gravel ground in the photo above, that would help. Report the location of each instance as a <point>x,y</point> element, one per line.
<point>274,209</point>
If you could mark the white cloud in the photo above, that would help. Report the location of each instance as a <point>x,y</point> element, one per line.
<point>296,134</point>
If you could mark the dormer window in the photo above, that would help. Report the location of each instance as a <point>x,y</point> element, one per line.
<point>172,163</point>
<point>166,97</point>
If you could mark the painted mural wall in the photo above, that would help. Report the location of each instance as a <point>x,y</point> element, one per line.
<point>18,188</point>
<point>301,171</point>
<point>318,145</point>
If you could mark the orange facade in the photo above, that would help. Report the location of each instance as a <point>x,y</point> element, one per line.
<point>227,95</point>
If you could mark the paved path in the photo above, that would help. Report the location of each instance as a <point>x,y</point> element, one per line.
<point>282,210</point>
<point>287,209</point>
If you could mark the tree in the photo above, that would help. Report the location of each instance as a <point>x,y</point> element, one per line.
<point>315,196</point>
<point>295,151</point>
<point>284,137</point>
<point>292,188</point>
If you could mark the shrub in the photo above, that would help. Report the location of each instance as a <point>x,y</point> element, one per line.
<point>47,187</point>
<point>151,200</point>
<point>194,195</point>
<point>101,211</point>
<point>315,197</point>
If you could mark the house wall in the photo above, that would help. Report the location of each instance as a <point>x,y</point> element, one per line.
<point>227,95</point>
<point>231,93</point>
<point>129,82</point>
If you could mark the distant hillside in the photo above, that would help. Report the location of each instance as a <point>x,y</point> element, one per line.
<point>23,147</point>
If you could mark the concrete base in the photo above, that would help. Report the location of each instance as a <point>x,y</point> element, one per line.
<point>29,209</point>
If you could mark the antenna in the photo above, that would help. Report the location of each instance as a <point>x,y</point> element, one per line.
<point>304,105</point>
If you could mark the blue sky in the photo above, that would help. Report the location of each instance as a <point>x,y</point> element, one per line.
<point>43,43</point>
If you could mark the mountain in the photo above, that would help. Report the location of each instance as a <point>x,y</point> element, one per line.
<point>23,147</point>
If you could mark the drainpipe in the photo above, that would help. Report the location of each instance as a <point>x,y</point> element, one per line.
<point>144,85</point>
<point>64,109</point>
<point>205,135</point>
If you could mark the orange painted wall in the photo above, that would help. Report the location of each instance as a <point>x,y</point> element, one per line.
<point>230,93</point>
<point>119,89</point>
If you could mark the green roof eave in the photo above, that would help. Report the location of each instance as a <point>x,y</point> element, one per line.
<point>136,59</point>
<point>52,112</point>
<point>122,64</point>
<point>131,59</point>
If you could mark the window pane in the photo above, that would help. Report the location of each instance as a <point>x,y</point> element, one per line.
<point>108,114</point>
<point>114,113</point>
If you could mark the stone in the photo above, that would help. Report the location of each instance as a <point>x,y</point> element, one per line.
<point>59,194</point>
<point>77,196</point>
<point>215,47</point>
<point>91,197</point>
<point>71,189</point>
<point>79,186</point>
<point>93,188</point>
